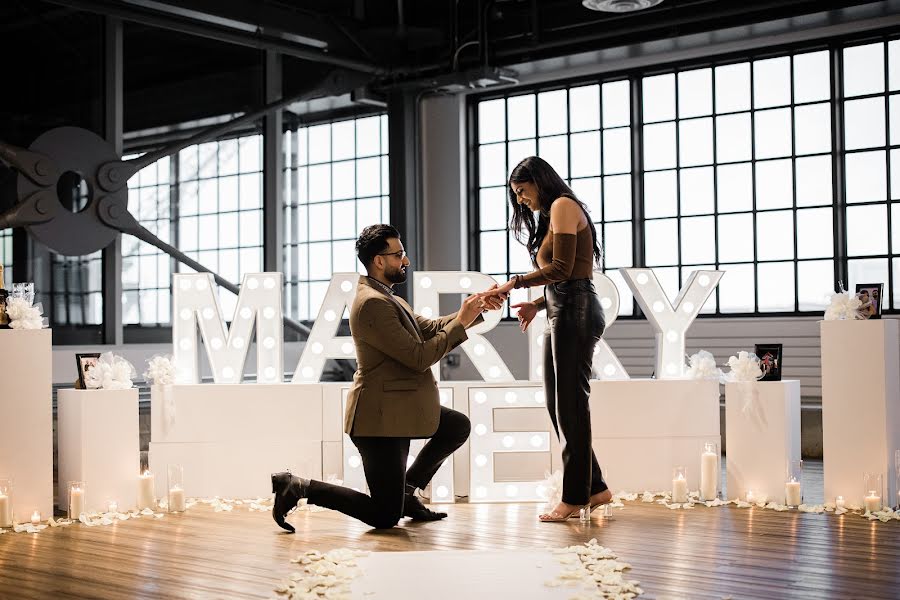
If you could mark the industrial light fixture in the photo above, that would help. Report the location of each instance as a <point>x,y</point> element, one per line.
<point>619,6</point>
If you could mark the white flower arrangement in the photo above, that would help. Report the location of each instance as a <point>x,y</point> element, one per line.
<point>110,373</point>
<point>844,306</point>
<point>551,488</point>
<point>23,315</point>
<point>744,367</point>
<point>703,366</point>
<point>160,371</point>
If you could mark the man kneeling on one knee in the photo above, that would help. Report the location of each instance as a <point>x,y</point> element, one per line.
<point>394,397</point>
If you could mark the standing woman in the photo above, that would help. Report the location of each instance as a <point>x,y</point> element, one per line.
<point>563,246</point>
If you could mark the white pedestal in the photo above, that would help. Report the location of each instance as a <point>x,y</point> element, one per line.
<point>643,428</point>
<point>26,420</point>
<point>99,444</point>
<point>762,427</point>
<point>860,405</point>
<point>230,438</point>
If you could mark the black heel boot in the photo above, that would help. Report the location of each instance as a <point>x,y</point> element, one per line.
<point>415,510</point>
<point>288,490</point>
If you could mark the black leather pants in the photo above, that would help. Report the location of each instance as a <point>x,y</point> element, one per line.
<point>574,326</point>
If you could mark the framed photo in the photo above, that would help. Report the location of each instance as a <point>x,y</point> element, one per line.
<point>85,364</point>
<point>870,296</point>
<point>769,361</point>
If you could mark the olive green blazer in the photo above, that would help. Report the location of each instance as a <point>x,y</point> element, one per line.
<point>394,393</point>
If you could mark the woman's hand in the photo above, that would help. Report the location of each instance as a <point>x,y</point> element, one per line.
<point>527,312</point>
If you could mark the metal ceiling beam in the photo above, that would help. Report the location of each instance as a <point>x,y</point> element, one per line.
<point>182,24</point>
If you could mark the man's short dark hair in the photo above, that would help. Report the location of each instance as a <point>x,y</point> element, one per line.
<point>373,241</point>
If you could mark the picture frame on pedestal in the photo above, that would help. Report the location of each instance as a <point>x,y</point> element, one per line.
<point>870,295</point>
<point>85,362</point>
<point>769,361</point>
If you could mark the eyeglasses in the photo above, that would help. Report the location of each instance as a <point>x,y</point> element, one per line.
<point>401,254</point>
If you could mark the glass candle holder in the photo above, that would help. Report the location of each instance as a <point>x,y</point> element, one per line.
<point>873,491</point>
<point>76,500</point>
<point>6,519</point>
<point>175,488</point>
<point>793,490</point>
<point>839,502</point>
<point>709,470</point>
<point>679,485</point>
<point>146,490</point>
<point>36,517</point>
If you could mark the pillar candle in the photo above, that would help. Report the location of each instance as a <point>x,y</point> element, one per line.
<point>873,501</point>
<point>709,475</point>
<point>113,507</point>
<point>751,497</point>
<point>839,502</point>
<point>76,502</point>
<point>792,496</point>
<point>176,499</point>
<point>35,518</point>
<point>679,490</point>
<point>5,511</point>
<point>146,495</point>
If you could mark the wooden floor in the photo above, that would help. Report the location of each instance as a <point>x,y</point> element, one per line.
<point>700,553</point>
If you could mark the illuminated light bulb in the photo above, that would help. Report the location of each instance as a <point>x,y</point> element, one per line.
<point>216,343</point>
<point>228,373</point>
<point>508,441</point>
<point>270,372</point>
<point>354,461</point>
<point>511,397</point>
<point>606,303</point>
<point>329,315</point>
<point>269,343</point>
<point>481,460</point>
<point>238,342</point>
<point>427,312</point>
<point>541,490</point>
<point>253,283</point>
<point>539,370</point>
<point>185,343</point>
<point>307,372</point>
<point>536,441</point>
<point>269,283</point>
<point>481,491</point>
<point>201,284</point>
<point>208,313</point>
<point>540,341</point>
<point>445,396</point>
<point>269,312</point>
<point>347,348</point>
<point>185,313</point>
<point>672,335</point>
<point>609,370</point>
<point>410,460</point>
<point>442,491</point>
<point>596,350</point>
<point>479,349</point>
<point>539,397</point>
<point>704,280</point>
<point>480,429</point>
<point>688,307</point>
<point>185,283</point>
<point>512,491</point>
<point>246,313</point>
<point>642,278</point>
<point>465,283</point>
<point>494,372</point>
<point>671,368</point>
<point>425,282</point>
<point>346,286</point>
<point>317,348</point>
<point>480,397</point>
<point>658,306</point>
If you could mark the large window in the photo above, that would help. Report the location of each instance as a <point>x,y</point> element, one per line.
<point>584,133</point>
<point>871,112</point>
<point>6,257</point>
<point>739,173</point>
<point>336,183</point>
<point>737,176</point>
<point>146,270</point>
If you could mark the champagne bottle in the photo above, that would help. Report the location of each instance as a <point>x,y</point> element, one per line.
<point>4,295</point>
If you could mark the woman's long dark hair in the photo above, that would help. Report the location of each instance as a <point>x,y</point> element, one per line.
<point>550,186</point>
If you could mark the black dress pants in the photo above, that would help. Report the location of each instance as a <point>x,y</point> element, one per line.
<point>384,461</point>
<point>574,326</point>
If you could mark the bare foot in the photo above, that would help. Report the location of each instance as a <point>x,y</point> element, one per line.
<point>562,512</point>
